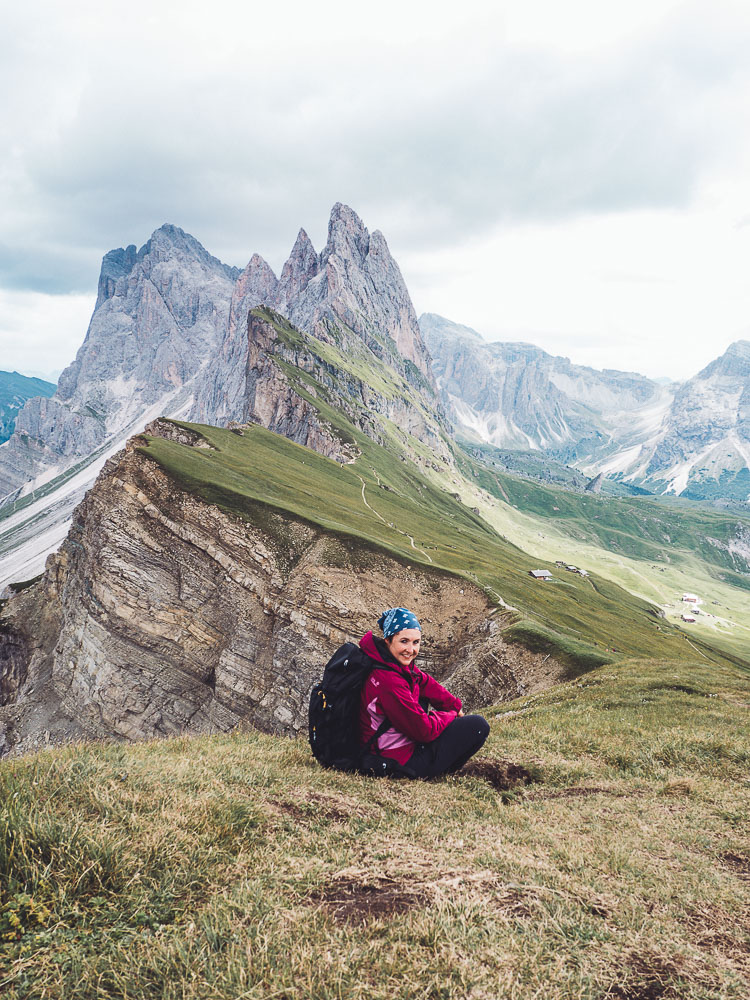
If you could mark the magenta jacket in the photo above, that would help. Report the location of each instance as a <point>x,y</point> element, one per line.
<point>388,694</point>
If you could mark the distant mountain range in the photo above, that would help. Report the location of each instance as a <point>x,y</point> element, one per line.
<point>177,333</point>
<point>690,439</point>
<point>15,391</point>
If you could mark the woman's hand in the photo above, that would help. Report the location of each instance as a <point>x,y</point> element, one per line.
<point>461,712</point>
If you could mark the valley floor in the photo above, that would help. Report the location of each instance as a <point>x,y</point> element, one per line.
<point>232,866</point>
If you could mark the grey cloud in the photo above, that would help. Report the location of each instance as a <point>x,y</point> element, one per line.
<point>242,161</point>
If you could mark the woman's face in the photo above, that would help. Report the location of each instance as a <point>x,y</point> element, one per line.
<point>404,645</point>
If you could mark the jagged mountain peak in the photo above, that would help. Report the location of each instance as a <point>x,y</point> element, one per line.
<point>734,362</point>
<point>347,234</point>
<point>169,242</point>
<point>438,325</point>
<point>258,265</point>
<point>299,270</point>
<point>303,243</point>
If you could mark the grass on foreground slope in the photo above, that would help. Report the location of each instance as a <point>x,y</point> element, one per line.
<point>232,867</point>
<point>246,475</point>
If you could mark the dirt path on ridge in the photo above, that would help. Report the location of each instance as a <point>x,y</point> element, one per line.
<point>388,523</point>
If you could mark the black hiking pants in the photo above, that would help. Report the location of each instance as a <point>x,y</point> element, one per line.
<point>459,741</point>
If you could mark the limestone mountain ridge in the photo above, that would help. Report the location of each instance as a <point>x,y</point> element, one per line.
<point>170,336</point>
<point>691,439</point>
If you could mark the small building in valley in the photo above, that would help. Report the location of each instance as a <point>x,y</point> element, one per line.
<point>690,598</point>
<point>688,616</point>
<point>540,574</point>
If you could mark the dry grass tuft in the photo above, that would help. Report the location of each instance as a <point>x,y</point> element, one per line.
<point>214,868</point>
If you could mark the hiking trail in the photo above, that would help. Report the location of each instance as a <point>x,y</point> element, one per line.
<point>388,523</point>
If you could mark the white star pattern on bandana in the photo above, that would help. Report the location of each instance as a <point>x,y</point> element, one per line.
<point>396,619</point>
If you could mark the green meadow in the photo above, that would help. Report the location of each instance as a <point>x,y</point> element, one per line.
<point>601,850</point>
<point>380,500</point>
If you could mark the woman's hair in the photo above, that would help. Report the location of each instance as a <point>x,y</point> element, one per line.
<point>396,619</point>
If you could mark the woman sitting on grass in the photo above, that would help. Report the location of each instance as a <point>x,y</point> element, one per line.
<point>424,743</point>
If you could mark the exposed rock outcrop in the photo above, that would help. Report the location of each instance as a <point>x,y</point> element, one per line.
<point>161,614</point>
<point>352,293</point>
<point>161,313</point>
<point>515,395</point>
<point>704,448</point>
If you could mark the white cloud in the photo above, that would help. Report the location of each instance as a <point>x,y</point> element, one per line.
<point>39,333</point>
<point>661,293</point>
<point>513,127</point>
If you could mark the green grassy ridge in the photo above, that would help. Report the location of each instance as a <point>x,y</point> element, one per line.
<point>220,867</point>
<point>357,361</point>
<point>578,656</point>
<point>640,527</point>
<point>250,474</point>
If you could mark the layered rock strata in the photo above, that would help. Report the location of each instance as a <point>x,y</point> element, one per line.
<point>161,614</point>
<point>284,375</point>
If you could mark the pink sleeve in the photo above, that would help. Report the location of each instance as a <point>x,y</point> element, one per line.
<point>436,694</point>
<point>402,709</point>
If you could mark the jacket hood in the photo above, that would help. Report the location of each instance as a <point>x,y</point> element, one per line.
<point>367,645</point>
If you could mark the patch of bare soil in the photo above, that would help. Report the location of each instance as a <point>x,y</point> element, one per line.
<point>315,807</point>
<point>737,863</point>
<point>722,932</point>
<point>646,977</point>
<point>501,774</point>
<point>514,903</point>
<point>351,901</point>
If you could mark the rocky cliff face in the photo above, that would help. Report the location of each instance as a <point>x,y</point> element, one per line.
<point>356,284</point>
<point>281,376</point>
<point>516,395</point>
<point>704,449</point>
<point>350,295</point>
<point>169,335</point>
<point>161,614</point>
<point>161,313</point>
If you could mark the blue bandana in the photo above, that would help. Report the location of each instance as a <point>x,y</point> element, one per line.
<point>395,620</point>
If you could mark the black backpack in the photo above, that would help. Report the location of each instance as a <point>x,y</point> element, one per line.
<point>334,716</point>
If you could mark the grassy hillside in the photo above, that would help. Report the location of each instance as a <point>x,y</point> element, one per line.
<point>233,868</point>
<point>636,526</point>
<point>652,547</point>
<point>384,501</point>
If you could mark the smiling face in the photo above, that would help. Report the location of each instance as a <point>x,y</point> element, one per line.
<point>404,645</point>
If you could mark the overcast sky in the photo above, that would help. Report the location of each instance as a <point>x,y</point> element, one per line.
<point>571,174</point>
